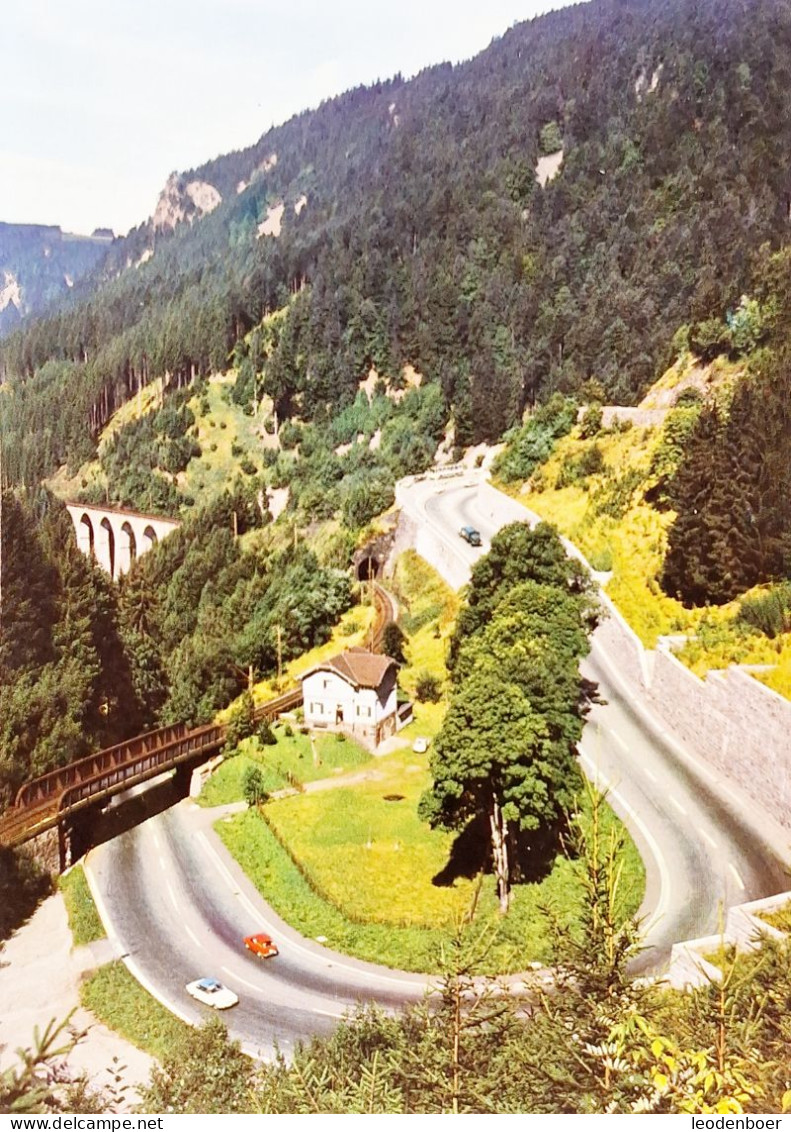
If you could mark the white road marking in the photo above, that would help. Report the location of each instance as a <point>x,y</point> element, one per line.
<point>202,838</point>
<point>650,775</point>
<point>330,1013</point>
<point>707,837</point>
<point>623,745</point>
<point>172,894</point>
<point>656,852</point>
<point>677,804</point>
<point>416,985</point>
<point>157,842</point>
<point>735,875</point>
<point>249,907</point>
<point>192,936</point>
<point>162,863</point>
<point>238,978</point>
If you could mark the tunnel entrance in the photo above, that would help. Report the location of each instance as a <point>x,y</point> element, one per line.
<point>368,568</point>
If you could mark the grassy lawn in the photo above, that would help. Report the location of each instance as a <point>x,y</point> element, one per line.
<point>118,1000</point>
<point>293,759</point>
<point>364,880</point>
<point>83,918</point>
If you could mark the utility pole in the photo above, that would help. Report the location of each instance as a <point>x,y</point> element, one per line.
<point>235,526</point>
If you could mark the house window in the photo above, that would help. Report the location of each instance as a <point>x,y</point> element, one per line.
<point>326,684</point>
<point>317,709</point>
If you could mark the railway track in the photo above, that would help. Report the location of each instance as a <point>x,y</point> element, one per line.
<point>45,801</point>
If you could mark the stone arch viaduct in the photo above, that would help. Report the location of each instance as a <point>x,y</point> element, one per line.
<point>116,538</point>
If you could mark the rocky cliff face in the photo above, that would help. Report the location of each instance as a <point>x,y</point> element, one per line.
<point>183,200</point>
<point>39,264</point>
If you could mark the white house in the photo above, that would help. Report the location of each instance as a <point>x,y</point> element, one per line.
<point>355,692</point>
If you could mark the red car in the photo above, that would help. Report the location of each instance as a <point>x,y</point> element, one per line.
<point>260,944</point>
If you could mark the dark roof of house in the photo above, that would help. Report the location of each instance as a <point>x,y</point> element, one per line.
<point>356,666</point>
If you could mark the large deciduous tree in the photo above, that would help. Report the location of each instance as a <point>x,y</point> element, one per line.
<point>505,753</point>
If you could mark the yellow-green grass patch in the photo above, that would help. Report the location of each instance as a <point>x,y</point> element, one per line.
<point>84,920</point>
<point>634,546</point>
<point>292,760</point>
<point>118,1000</point>
<point>359,869</point>
<point>225,425</point>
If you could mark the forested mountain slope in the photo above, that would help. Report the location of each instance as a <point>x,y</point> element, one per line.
<point>413,228</point>
<point>39,264</point>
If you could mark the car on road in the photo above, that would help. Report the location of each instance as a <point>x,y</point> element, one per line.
<point>470,535</point>
<point>420,745</point>
<point>211,992</point>
<point>261,944</point>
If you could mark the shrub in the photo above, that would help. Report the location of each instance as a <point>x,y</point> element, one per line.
<point>253,787</point>
<point>532,444</point>
<point>769,613</point>
<point>428,688</point>
<point>265,734</point>
<point>601,560</point>
<point>588,463</point>
<point>241,721</point>
<point>393,641</point>
<point>550,138</point>
<point>591,422</point>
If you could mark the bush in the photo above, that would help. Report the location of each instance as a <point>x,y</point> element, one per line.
<point>247,466</point>
<point>532,444</point>
<point>253,789</point>
<point>428,688</point>
<point>601,560</point>
<point>241,721</point>
<point>393,641</point>
<point>769,613</point>
<point>265,734</point>
<point>588,463</point>
<point>591,422</point>
<point>550,138</point>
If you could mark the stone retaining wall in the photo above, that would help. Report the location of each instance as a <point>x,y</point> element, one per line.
<point>738,725</point>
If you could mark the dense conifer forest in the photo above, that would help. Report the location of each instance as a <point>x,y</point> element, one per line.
<point>415,230</point>
<point>468,256</point>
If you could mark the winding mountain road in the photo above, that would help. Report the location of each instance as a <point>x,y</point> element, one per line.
<point>178,906</point>
<point>704,848</point>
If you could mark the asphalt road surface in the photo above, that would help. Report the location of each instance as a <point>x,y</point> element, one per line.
<point>703,849</point>
<point>179,906</point>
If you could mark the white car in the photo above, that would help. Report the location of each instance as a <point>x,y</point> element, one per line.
<point>420,745</point>
<point>212,993</point>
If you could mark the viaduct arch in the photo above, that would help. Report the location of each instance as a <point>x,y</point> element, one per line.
<point>116,538</point>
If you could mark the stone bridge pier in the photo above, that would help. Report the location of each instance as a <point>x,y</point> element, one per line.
<point>116,538</point>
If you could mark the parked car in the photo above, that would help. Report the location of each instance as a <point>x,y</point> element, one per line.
<point>261,944</point>
<point>211,992</point>
<point>470,535</point>
<point>420,745</point>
